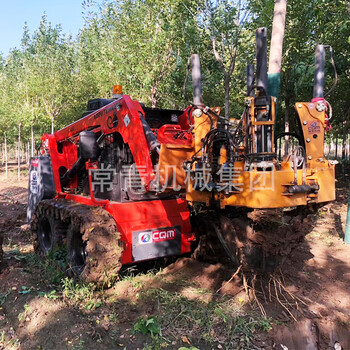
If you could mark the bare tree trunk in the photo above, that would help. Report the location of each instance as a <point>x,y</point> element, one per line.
<point>6,169</point>
<point>154,90</point>
<point>32,141</point>
<point>19,152</point>
<point>23,152</point>
<point>286,125</point>
<point>227,96</point>
<point>278,25</point>
<point>343,150</point>
<point>231,61</point>
<point>52,125</point>
<point>336,147</point>
<point>331,152</point>
<point>28,152</point>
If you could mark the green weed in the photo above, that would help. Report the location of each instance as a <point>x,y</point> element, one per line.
<point>52,268</point>
<point>50,295</point>
<point>147,325</point>
<point>4,296</point>
<point>24,290</point>
<point>24,314</point>
<point>81,294</point>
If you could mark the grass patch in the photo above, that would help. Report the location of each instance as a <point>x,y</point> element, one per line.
<point>221,321</point>
<point>52,267</point>
<point>81,294</point>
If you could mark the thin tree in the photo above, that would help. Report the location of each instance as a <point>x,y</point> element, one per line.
<point>226,19</point>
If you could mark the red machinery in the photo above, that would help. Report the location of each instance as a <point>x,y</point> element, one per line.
<point>151,224</point>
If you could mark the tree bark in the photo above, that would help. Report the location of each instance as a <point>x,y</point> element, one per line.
<point>6,169</point>
<point>232,49</point>
<point>19,152</point>
<point>278,25</point>
<point>286,124</point>
<point>27,153</point>
<point>343,149</point>
<point>336,147</point>
<point>154,100</point>
<point>227,97</point>
<point>32,141</point>
<point>331,151</point>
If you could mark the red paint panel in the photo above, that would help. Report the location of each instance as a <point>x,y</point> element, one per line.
<point>65,159</point>
<point>174,135</point>
<point>151,215</point>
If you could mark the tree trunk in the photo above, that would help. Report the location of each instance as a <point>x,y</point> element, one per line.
<point>19,152</point>
<point>331,151</point>
<point>28,152</point>
<point>23,152</point>
<point>154,100</point>
<point>343,150</point>
<point>277,36</point>
<point>286,125</point>
<point>32,141</point>
<point>336,147</point>
<point>6,169</point>
<point>227,97</point>
<point>52,125</point>
<point>278,25</point>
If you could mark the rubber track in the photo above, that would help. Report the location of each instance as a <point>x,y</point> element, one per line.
<point>98,229</point>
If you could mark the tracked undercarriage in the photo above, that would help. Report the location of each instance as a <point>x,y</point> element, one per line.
<point>89,235</point>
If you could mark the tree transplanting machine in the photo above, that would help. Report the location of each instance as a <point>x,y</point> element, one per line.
<point>127,183</point>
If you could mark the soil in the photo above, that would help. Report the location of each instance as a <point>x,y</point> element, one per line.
<point>39,314</point>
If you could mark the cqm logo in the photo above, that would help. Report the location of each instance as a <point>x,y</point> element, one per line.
<point>157,236</point>
<point>145,238</point>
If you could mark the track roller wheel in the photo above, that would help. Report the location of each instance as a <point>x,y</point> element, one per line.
<point>48,232</point>
<point>93,245</point>
<point>76,249</point>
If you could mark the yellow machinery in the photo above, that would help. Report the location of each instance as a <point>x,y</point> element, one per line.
<point>235,167</point>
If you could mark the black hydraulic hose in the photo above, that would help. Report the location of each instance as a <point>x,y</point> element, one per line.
<point>68,176</point>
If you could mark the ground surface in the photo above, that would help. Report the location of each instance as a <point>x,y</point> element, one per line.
<point>185,304</point>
